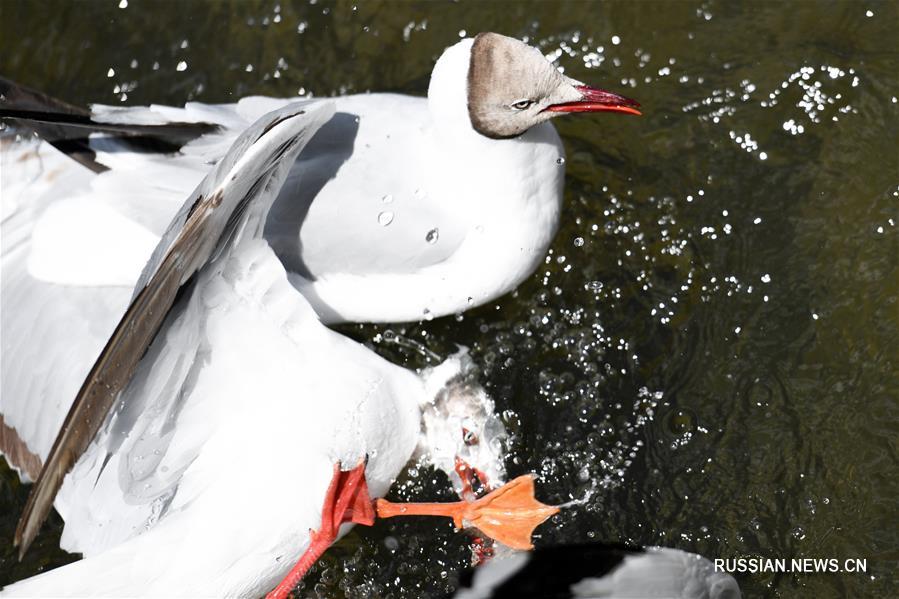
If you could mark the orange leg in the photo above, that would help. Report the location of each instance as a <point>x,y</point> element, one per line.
<point>481,547</point>
<point>508,514</point>
<point>347,500</point>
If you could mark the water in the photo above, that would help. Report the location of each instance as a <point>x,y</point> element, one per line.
<point>707,359</point>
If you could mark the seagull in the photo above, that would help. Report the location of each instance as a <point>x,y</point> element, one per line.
<point>387,215</point>
<point>410,208</point>
<point>220,370</point>
<point>593,571</point>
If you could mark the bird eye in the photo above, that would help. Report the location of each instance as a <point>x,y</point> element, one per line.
<point>522,104</point>
<point>468,437</point>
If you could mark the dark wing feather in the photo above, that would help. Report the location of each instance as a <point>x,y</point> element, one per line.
<point>194,236</point>
<point>107,378</point>
<point>67,127</point>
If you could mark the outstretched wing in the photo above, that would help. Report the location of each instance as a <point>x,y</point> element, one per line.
<point>217,214</point>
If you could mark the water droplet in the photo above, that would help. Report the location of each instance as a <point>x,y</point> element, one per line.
<point>432,236</point>
<point>470,300</point>
<point>560,160</point>
<point>578,242</point>
<point>387,198</point>
<point>385,218</point>
<point>681,422</point>
<point>427,314</point>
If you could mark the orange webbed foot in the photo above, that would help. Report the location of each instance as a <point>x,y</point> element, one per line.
<point>508,514</point>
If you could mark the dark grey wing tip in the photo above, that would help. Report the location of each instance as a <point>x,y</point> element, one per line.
<point>22,97</point>
<point>68,127</point>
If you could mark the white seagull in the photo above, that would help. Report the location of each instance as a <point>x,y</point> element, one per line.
<point>220,370</point>
<point>410,208</point>
<point>402,208</point>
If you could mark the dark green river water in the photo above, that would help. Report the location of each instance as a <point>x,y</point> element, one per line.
<point>708,356</point>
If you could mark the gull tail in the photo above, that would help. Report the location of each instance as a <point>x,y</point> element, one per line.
<point>68,128</point>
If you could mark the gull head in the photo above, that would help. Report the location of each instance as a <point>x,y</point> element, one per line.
<point>461,433</point>
<point>510,87</point>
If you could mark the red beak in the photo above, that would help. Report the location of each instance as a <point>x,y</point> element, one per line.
<point>597,100</point>
<point>467,473</point>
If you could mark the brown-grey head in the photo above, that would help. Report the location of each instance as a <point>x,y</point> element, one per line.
<point>512,87</point>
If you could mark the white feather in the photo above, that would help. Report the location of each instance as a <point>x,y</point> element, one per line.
<point>242,378</point>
